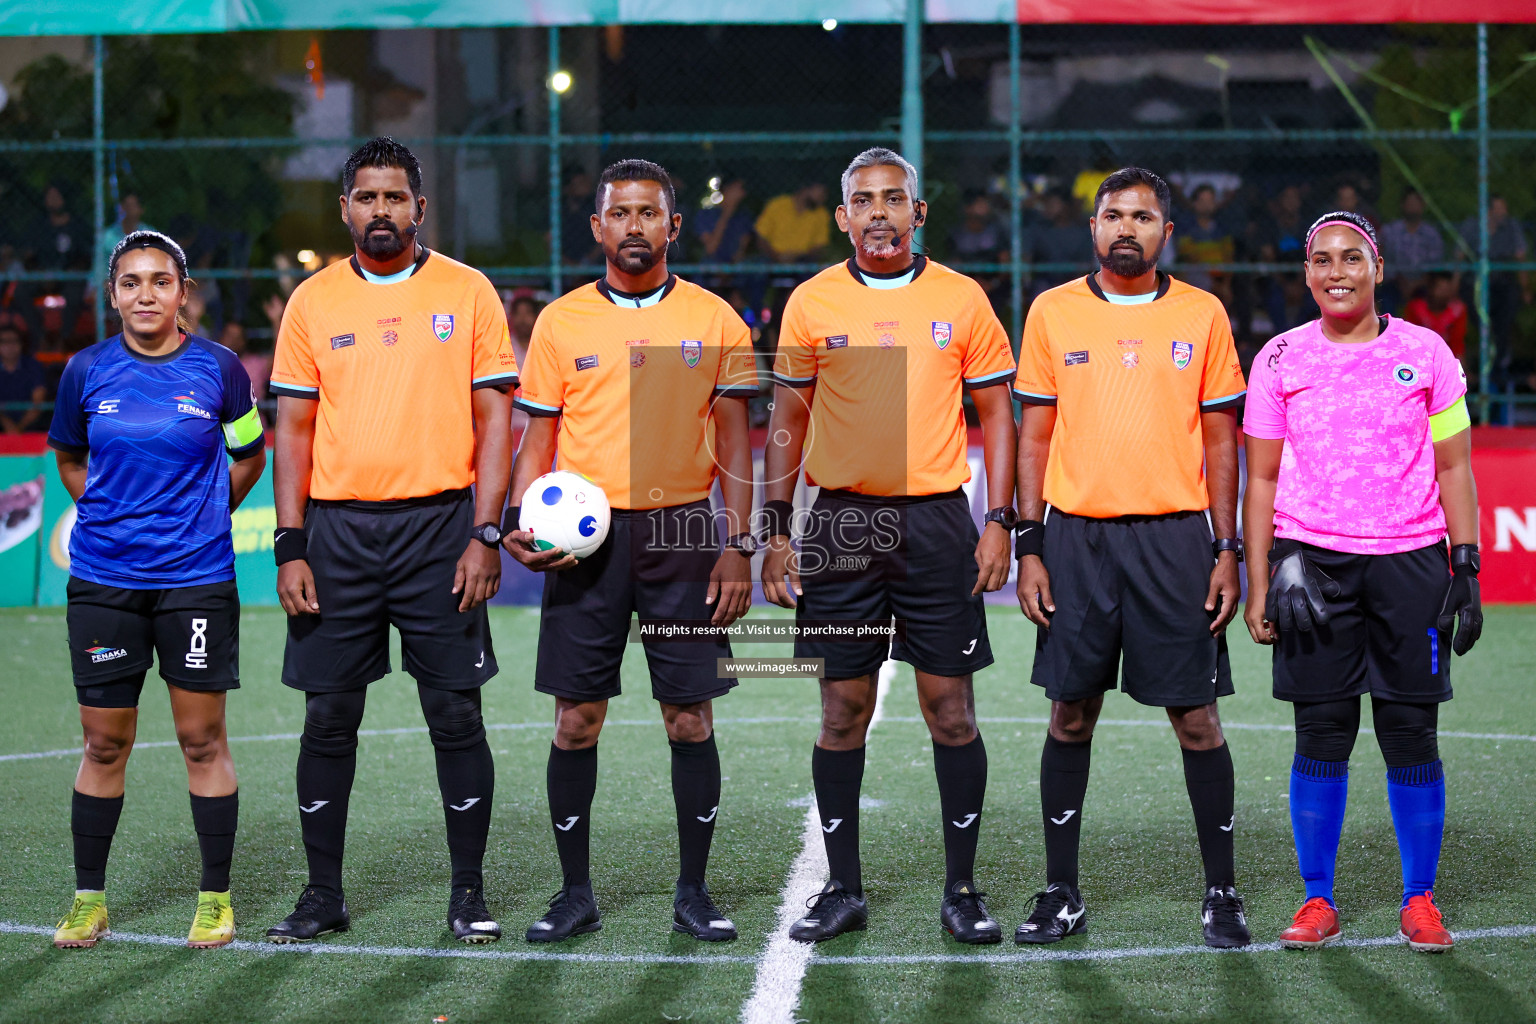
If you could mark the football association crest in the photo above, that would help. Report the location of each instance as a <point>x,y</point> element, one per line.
<point>693,351</point>
<point>442,325</point>
<point>1182,350</point>
<point>941,333</point>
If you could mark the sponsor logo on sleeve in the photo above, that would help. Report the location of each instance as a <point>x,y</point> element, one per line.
<point>586,362</point>
<point>442,325</point>
<point>1182,351</point>
<point>1076,358</point>
<point>693,351</point>
<point>941,333</point>
<point>343,341</point>
<point>108,406</point>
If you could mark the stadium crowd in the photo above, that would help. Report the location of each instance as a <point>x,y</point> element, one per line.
<point>1220,221</point>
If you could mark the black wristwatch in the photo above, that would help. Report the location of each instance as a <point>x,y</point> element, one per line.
<point>744,544</point>
<point>1006,516</point>
<point>488,534</point>
<point>1464,558</point>
<point>1231,544</point>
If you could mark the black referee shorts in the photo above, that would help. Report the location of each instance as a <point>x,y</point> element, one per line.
<point>872,558</point>
<point>378,564</point>
<point>115,632</point>
<point>655,563</point>
<point>1131,588</point>
<point>1381,636</point>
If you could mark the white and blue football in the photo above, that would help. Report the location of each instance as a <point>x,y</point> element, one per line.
<point>566,511</point>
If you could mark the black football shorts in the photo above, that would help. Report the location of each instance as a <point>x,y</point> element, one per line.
<point>114,633</point>
<point>911,559</point>
<point>378,564</point>
<point>655,563</point>
<point>1381,636</point>
<point>1130,604</point>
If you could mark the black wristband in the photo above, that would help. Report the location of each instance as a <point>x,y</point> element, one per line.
<point>289,544</point>
<point>1028,538</point>
<point>1465,559</point>
<point>776,516</point>
<point>509,519</point>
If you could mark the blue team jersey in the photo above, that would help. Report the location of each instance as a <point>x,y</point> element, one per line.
<point>155,512</point>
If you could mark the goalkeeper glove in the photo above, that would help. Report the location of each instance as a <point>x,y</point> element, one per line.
<point>1463,599</point>
<point>1297,589</point>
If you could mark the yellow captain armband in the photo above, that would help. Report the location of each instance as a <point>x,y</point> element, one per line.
<point>1450,421</point>
<point>247,429</point>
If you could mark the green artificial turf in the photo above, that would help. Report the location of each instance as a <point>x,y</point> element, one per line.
<point>1140,868</point>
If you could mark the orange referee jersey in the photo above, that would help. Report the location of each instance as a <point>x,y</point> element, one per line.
<point>634,385</point>
<point>1129,384</point>
<point>392,366</point>
<point>889,366</point>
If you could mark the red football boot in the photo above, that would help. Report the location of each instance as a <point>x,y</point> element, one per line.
<point>1315,925</point>
<point>1423,927</point>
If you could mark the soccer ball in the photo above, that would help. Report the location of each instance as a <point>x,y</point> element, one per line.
<point>566,511</point>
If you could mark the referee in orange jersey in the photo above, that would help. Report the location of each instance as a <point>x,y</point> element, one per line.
<point>1130,384</point>
<point>393,373</point>
<point>875,357</point>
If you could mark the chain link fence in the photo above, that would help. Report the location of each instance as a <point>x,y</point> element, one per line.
<point>233,144</point>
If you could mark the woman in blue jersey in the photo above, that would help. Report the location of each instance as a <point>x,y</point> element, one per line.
<point>142,427</point>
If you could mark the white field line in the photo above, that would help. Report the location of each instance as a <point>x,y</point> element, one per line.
<point>1021,957</point>
<point>764,720</point>
<point>781,971</point>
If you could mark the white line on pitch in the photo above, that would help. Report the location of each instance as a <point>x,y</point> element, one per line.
<point>1037,955</point>
<point>764,720</point>
<point>776,989</point>
<point>1021,957</point>
<point>242,945</point>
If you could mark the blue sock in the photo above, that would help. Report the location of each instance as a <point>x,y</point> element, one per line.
<point>1319,790</point>
<point>1417,797</point>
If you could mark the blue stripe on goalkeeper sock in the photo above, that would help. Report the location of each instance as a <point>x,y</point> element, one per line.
<point>1416,795</point>
<point>1319,793</point>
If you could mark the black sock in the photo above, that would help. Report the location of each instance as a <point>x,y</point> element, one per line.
<point>327,764</point>
<point>962,775</point>
<point>1209,779</point>
<point>324,786</point>
<point>572,781</point>
<point>1063,784</point>
<point>93,820</point>
<point>467,781</point>
<point>214,819</point>
<point>838,776</point>
<point>696,794</point>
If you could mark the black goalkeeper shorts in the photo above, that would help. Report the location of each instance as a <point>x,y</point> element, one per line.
<point>1381,636</point>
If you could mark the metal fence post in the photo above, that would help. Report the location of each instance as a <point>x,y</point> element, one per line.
<point>99,168</point>
<point>555,255</point>
<point>1485,329</point>
<point>912,94</point>
<point>1015,186</point>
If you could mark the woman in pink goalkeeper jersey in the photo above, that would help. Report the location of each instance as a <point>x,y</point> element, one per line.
<point>1359,466</point>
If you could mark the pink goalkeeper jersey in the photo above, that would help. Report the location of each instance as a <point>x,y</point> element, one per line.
<point>1357,473</point>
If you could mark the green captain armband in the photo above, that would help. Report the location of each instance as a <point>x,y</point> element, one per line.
<point>243,431</point>
<point>1450,421</point>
